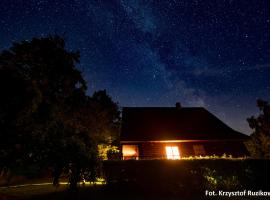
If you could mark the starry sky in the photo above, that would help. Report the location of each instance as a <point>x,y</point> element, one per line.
<point>210,53</point>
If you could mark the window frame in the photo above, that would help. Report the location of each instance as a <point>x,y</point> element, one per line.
<point>129,156</point>
<point>172,152</point>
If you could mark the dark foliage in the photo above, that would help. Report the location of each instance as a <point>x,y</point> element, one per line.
<point>259,145</point>
<point>187,177</point>
<point>46,118</point>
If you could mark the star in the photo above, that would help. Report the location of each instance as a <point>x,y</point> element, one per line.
<point>156,53</point>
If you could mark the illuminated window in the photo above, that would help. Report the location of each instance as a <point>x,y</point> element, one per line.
<point>199,150</point>
<point>172,152</point>
<point>130,152</point>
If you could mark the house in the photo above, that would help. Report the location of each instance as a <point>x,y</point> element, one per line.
<point>175,132</point>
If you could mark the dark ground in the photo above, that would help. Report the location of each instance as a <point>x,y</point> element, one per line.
<point>49,192</point>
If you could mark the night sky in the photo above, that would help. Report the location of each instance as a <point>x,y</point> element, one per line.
<point>214,54</point>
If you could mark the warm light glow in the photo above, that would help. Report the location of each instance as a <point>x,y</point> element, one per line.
<point>199,150</point>
<point>130,151</point>
<point>172,152</point>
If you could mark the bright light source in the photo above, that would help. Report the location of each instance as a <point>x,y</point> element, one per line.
<point>130,151</point>
<point>172,152</point>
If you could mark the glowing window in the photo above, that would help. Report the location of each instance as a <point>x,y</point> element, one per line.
<point>172,152</point>
<point>130,152</point>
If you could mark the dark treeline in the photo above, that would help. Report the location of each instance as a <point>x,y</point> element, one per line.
<point>46,118</point>
<point>259,145</point>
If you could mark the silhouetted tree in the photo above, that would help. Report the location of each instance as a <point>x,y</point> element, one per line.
<point>259,145</point>
<point>108,116</point>
<point>46,118</point>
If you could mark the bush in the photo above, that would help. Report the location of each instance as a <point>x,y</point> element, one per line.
<point>187,176</point>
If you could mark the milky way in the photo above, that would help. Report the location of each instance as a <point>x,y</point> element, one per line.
<point>214,54</point>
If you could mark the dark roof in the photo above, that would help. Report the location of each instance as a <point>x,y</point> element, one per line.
<point>171,123</point>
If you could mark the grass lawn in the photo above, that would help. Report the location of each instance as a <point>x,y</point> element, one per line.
<point>29,191</point>
<point>49,192</point>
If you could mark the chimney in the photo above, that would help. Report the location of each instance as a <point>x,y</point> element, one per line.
<point>178,105</point>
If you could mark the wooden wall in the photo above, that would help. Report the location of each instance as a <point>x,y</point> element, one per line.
<point>156,150</point>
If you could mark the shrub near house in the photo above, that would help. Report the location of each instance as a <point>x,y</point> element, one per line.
<point>188,176</point>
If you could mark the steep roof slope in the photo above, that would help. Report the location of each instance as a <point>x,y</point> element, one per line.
<point>171,123</point>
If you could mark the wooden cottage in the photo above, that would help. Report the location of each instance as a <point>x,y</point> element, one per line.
<point>175,132</point>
